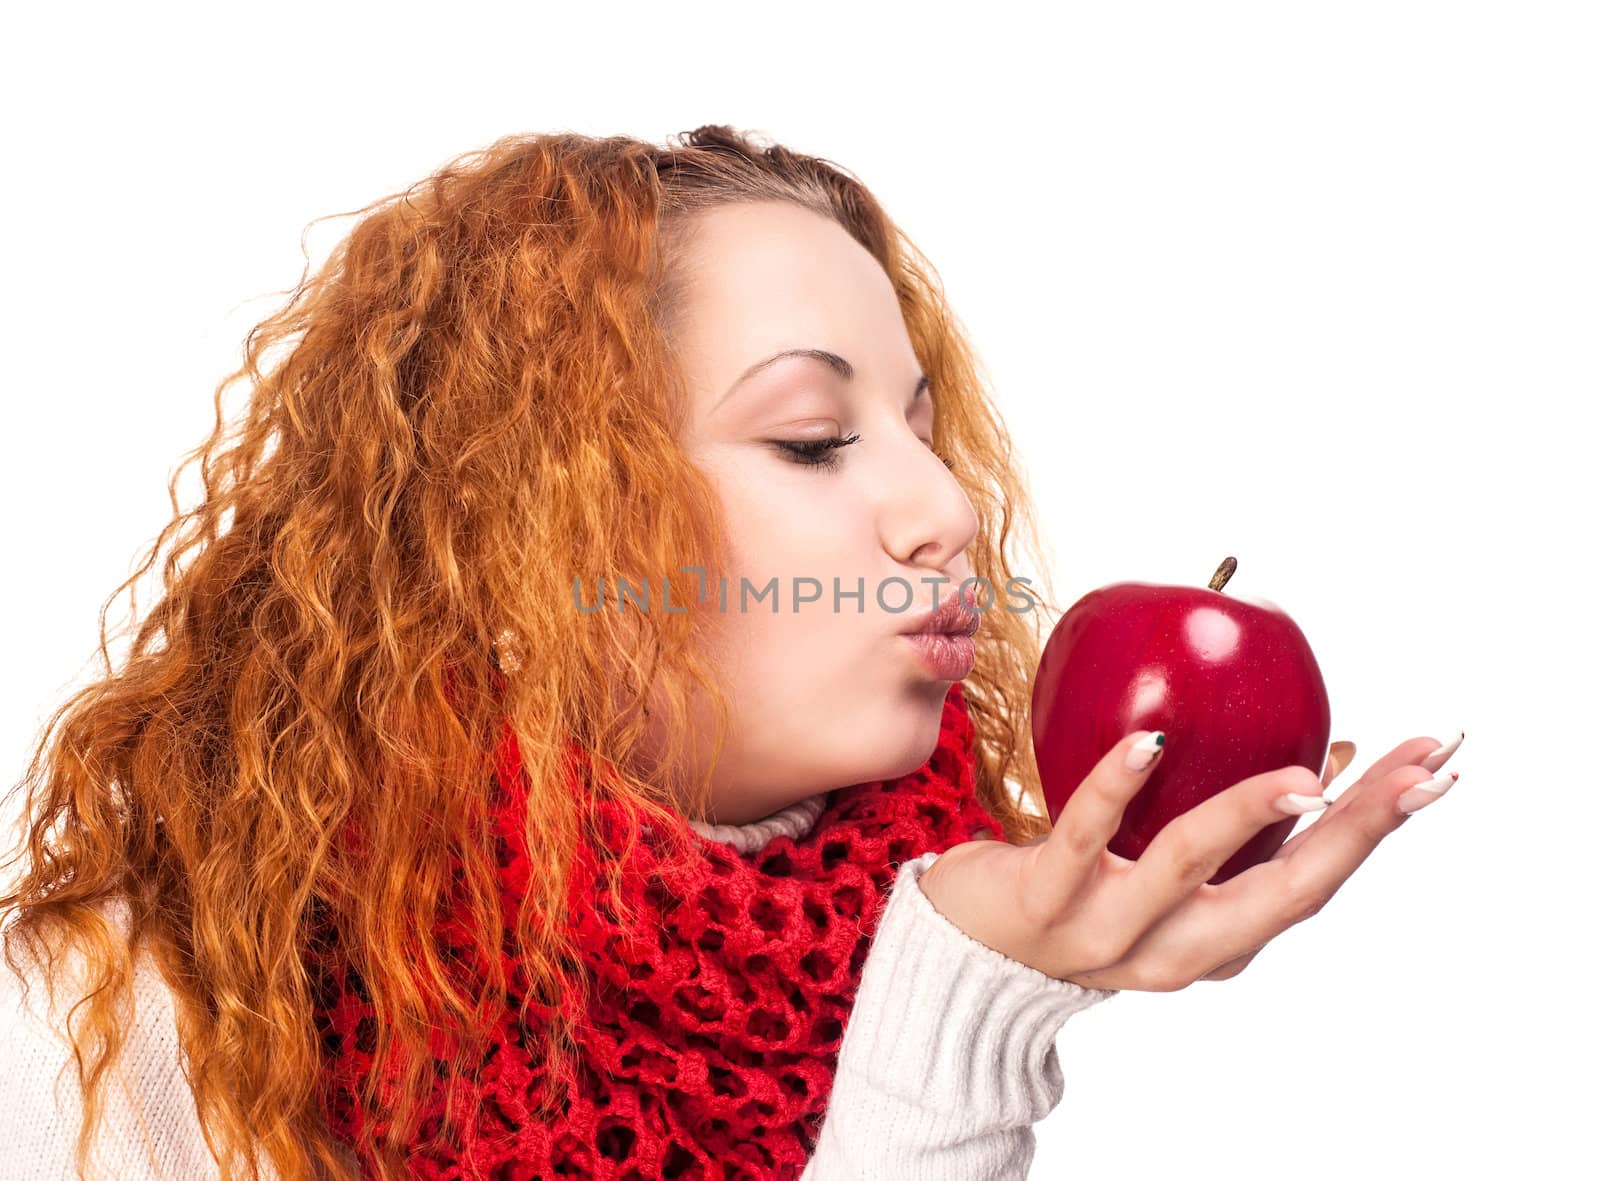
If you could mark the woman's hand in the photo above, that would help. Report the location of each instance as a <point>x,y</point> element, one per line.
<point>1066,905</point>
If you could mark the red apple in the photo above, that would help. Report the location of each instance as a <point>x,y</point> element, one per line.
<point>1231,680</point>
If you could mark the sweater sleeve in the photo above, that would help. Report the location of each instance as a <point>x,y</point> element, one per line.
<point>948,1057</point>
<point>149,1129</point>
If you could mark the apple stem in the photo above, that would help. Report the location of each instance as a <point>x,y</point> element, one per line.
<point>1224,572</point>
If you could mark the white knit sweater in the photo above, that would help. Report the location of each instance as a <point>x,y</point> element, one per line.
<point>947,1060</point>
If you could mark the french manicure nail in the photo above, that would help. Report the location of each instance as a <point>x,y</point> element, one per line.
<point>1436,760</point>
<point>1298,805</point>
<point>1424,794</point>
<point>1144,752</point>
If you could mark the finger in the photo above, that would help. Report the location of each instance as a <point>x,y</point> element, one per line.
<point>1093,813</point>
<point>1431,762</point>
<point>1420,751</point>
<point>1437,759</point>
<point>1339,756</point>
<point>1267,899</point>
<point>1192,847</point>
<point>1413,751</point>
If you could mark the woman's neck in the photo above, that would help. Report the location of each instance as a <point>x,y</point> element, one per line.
<point>794,821</point>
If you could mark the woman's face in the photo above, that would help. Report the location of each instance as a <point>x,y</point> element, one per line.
<point>829,692</point>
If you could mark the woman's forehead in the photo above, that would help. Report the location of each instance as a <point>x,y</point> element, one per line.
<point>758,280</point>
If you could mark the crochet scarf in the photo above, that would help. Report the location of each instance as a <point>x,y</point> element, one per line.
<point>715,1021</point>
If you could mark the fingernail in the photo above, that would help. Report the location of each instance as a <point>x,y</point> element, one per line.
<point>1144,752</point>
<point>1298,805</point>
<point>1436,760</point>
<point>1424,794</point>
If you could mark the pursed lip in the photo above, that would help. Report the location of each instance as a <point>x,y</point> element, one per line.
<point>955,616</point>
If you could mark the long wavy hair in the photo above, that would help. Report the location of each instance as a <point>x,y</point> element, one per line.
<point>472,403</point>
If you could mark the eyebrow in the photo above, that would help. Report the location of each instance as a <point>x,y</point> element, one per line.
<point>832,360</point>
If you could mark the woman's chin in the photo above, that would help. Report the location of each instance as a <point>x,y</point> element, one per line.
<point>917,740</point>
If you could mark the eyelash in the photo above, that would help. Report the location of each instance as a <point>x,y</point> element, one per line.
<point>816,452</point>
<point>819,452</point>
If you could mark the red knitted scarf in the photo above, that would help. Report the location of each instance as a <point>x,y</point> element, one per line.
<point>714,1029</point>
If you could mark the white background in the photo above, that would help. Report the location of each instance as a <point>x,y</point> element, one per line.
<point>1313,285</point>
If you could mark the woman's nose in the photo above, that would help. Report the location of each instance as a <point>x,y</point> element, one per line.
<point>927,519</point>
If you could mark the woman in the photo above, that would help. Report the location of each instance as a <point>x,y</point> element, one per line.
<point>425,849</point>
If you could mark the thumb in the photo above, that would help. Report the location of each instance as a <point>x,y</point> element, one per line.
<point>1339,756</point>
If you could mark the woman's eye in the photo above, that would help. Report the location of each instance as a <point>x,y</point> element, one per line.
<point>815,452</point>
